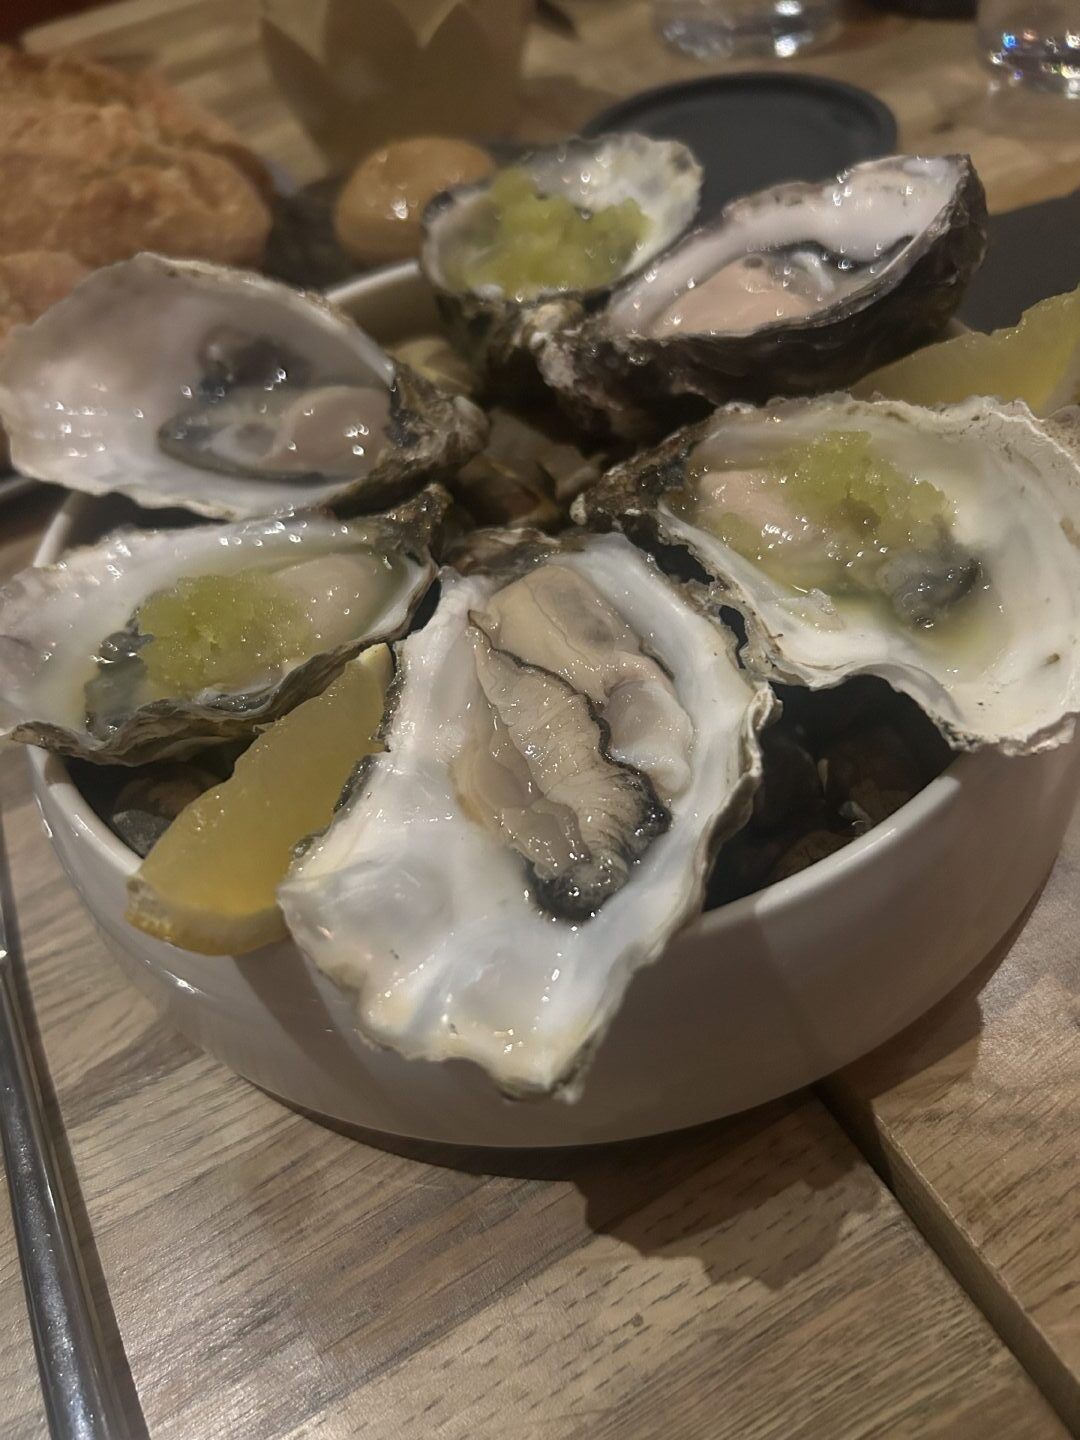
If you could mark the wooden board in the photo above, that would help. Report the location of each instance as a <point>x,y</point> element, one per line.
<point>269,1278</point>
<point>211,50</point>
<point>973,1115</point>
<point>928,72</point>
<point>753,1280</point>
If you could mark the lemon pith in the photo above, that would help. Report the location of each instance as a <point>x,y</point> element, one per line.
<point>1036,360</point>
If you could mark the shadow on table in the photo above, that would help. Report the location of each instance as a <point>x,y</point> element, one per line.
<point>760,1195</point>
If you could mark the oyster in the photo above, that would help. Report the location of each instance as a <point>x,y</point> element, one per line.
<point>180,383</point>
<point>793,290</point>
<point>567,739</point>
<point>154,644</point>
<point>494,323</point>
<point>937,549</point>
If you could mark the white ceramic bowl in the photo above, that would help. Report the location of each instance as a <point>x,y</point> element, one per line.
<point>750,1001</point>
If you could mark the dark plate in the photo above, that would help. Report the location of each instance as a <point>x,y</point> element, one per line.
<point>753,130</point>
<point>1033,252</point>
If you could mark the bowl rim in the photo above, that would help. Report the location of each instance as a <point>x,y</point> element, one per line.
<point>382,277</point>
<point>806,886</point>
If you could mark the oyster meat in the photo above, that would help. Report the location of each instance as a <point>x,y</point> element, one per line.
<point>155,644</point>
<point>228,394</point>
<point>793,290</point>
<point>512,258</point>
<point>568,738</point>
<point>935,548</point>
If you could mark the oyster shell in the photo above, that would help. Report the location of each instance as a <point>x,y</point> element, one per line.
<point>794,290</point>
<point>74,669</point>
<point>961,588</point>
<point>568,738</point>
<point>180,383</point>
<point>497,330</point>
<point>528,473</point>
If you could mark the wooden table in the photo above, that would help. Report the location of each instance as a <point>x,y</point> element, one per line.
<point>895,1254</point>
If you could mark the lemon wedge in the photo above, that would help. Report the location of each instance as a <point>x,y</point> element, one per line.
<point>209,883</point>
<point>1037,360</point>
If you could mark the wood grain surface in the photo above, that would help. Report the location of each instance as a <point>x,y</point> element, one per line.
<point>927,72</point>
<point>269,1278</point>
<point>973,1115</point>
<point>755,1280</point>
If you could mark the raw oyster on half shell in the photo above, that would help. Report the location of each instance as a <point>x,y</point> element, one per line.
<point>496,321</point>
<point>939,549</point>
<point>568,738</point>
<point>155,644</point>
<point>184,384</point>
<point>794,290</point>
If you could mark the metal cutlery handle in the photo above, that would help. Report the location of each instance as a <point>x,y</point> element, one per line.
<point>81,1401</point>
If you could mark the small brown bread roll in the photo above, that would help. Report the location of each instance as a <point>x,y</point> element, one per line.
<point>74,79</point>
<point>98,183</point>
<point>377,217</point>
<point>100,164</point>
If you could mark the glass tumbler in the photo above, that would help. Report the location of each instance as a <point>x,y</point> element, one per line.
<point>1033,43</point>
<point>733,29</point>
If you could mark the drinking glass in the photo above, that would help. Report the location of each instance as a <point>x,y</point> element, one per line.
<point>732,29</point>
<point>1033,43</point>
